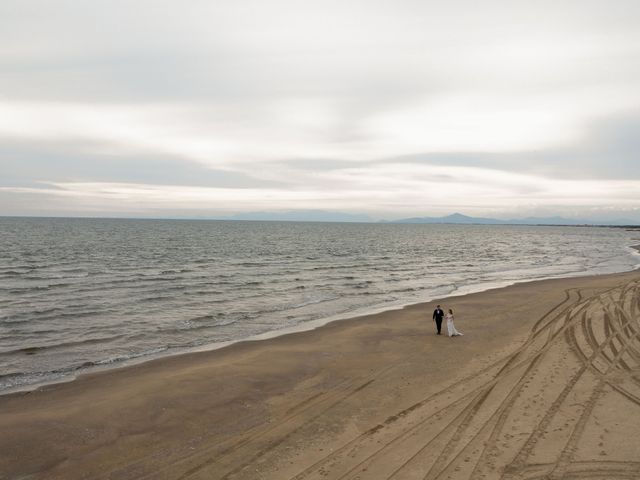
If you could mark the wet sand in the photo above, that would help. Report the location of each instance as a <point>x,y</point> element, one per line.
<point>545,383</point>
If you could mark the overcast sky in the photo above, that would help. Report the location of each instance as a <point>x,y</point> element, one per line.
<point>387,108</point>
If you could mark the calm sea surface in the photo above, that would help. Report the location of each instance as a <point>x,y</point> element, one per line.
<point>76,294</point>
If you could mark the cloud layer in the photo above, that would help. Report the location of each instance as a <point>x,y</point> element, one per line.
<point>385,108</point>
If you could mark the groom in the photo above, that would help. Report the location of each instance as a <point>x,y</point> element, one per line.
<point>437,316</point>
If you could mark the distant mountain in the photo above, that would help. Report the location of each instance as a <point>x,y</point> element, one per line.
<point>456,218</point>
<point>301,216</point>
<point>460,219</point>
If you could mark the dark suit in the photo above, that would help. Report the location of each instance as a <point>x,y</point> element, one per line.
<point>437,316</point>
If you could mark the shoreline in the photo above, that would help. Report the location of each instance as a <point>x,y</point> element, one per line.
<point>311,325</point>
<point>289,406</point>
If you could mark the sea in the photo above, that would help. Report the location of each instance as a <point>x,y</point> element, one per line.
<point>78,295</point>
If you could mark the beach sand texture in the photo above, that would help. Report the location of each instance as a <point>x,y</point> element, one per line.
<point>545,383</point>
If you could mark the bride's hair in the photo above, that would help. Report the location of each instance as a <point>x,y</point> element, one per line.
<point>451,311</point>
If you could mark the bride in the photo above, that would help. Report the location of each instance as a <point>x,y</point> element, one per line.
<point>450,326</point>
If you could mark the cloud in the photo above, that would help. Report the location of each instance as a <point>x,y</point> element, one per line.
<point>24,164</point>
<point>380,190</point>
<point>345,104</point>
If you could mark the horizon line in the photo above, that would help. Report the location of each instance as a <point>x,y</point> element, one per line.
<point>374,222</point>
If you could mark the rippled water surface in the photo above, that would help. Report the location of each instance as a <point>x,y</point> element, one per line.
<point>75,293</point>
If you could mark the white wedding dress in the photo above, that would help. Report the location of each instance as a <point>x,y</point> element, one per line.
<point>450,326</point>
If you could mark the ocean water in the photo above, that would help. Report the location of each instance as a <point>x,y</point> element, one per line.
<point>80,294</point>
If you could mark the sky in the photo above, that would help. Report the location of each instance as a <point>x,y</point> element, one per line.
<point>390,109</point>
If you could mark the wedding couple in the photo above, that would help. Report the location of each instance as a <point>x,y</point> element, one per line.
<point>438,315</point>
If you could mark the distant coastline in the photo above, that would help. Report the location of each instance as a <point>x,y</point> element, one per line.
<point>321,216</point>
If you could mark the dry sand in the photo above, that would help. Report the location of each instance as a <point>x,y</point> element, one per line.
<point>545,383</point>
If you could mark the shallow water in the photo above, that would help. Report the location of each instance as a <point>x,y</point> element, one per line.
<point>75,293</point>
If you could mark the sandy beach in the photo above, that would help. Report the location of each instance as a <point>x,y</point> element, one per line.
<point>545,383</point>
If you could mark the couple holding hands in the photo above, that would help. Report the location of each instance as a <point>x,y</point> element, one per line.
<point>438,315</point>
